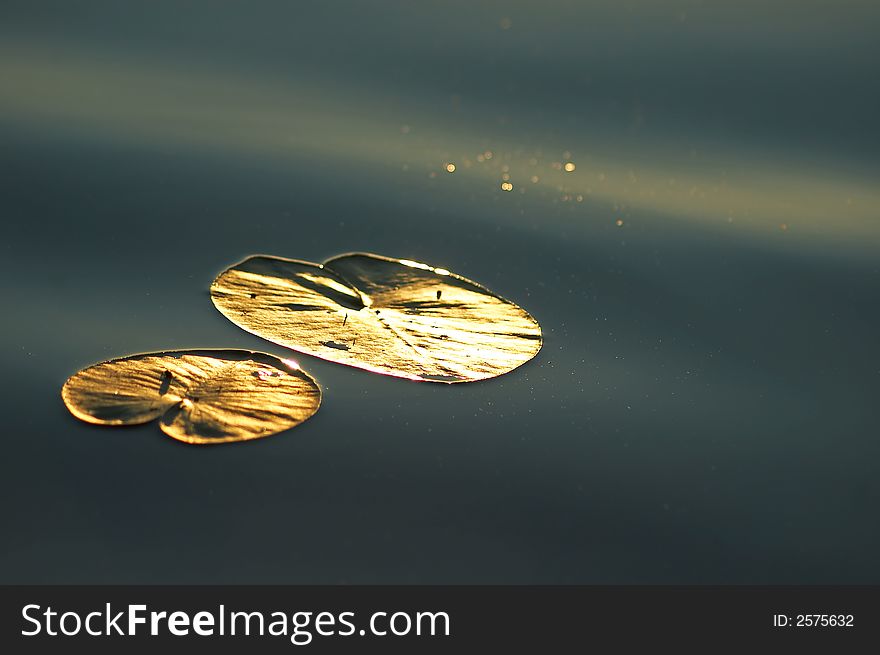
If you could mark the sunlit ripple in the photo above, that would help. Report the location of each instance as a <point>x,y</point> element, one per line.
<point>746,193</point>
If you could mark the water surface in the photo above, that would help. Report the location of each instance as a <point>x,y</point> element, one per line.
<point>703,409</point>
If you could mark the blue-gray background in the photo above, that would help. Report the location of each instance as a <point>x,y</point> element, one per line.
<point>703,410</point>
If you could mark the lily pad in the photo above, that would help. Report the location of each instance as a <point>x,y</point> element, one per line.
<point>391,316</point>
<point>199,396</point>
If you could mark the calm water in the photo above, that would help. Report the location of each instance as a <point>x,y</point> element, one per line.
<point>703,410</point>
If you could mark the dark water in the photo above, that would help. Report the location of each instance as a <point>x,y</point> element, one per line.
<point>703,410</point>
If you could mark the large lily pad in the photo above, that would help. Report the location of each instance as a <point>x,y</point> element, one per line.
<point>390,316</point>
<point>200,396</point>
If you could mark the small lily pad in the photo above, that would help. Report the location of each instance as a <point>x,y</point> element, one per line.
<point>198,396</point>
<point>391,316</point>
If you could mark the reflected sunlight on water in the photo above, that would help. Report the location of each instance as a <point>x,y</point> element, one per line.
<point>745,192</point>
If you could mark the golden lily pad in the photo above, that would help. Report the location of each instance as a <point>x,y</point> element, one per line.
<point>199,396</point>
<point>391,316</point>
